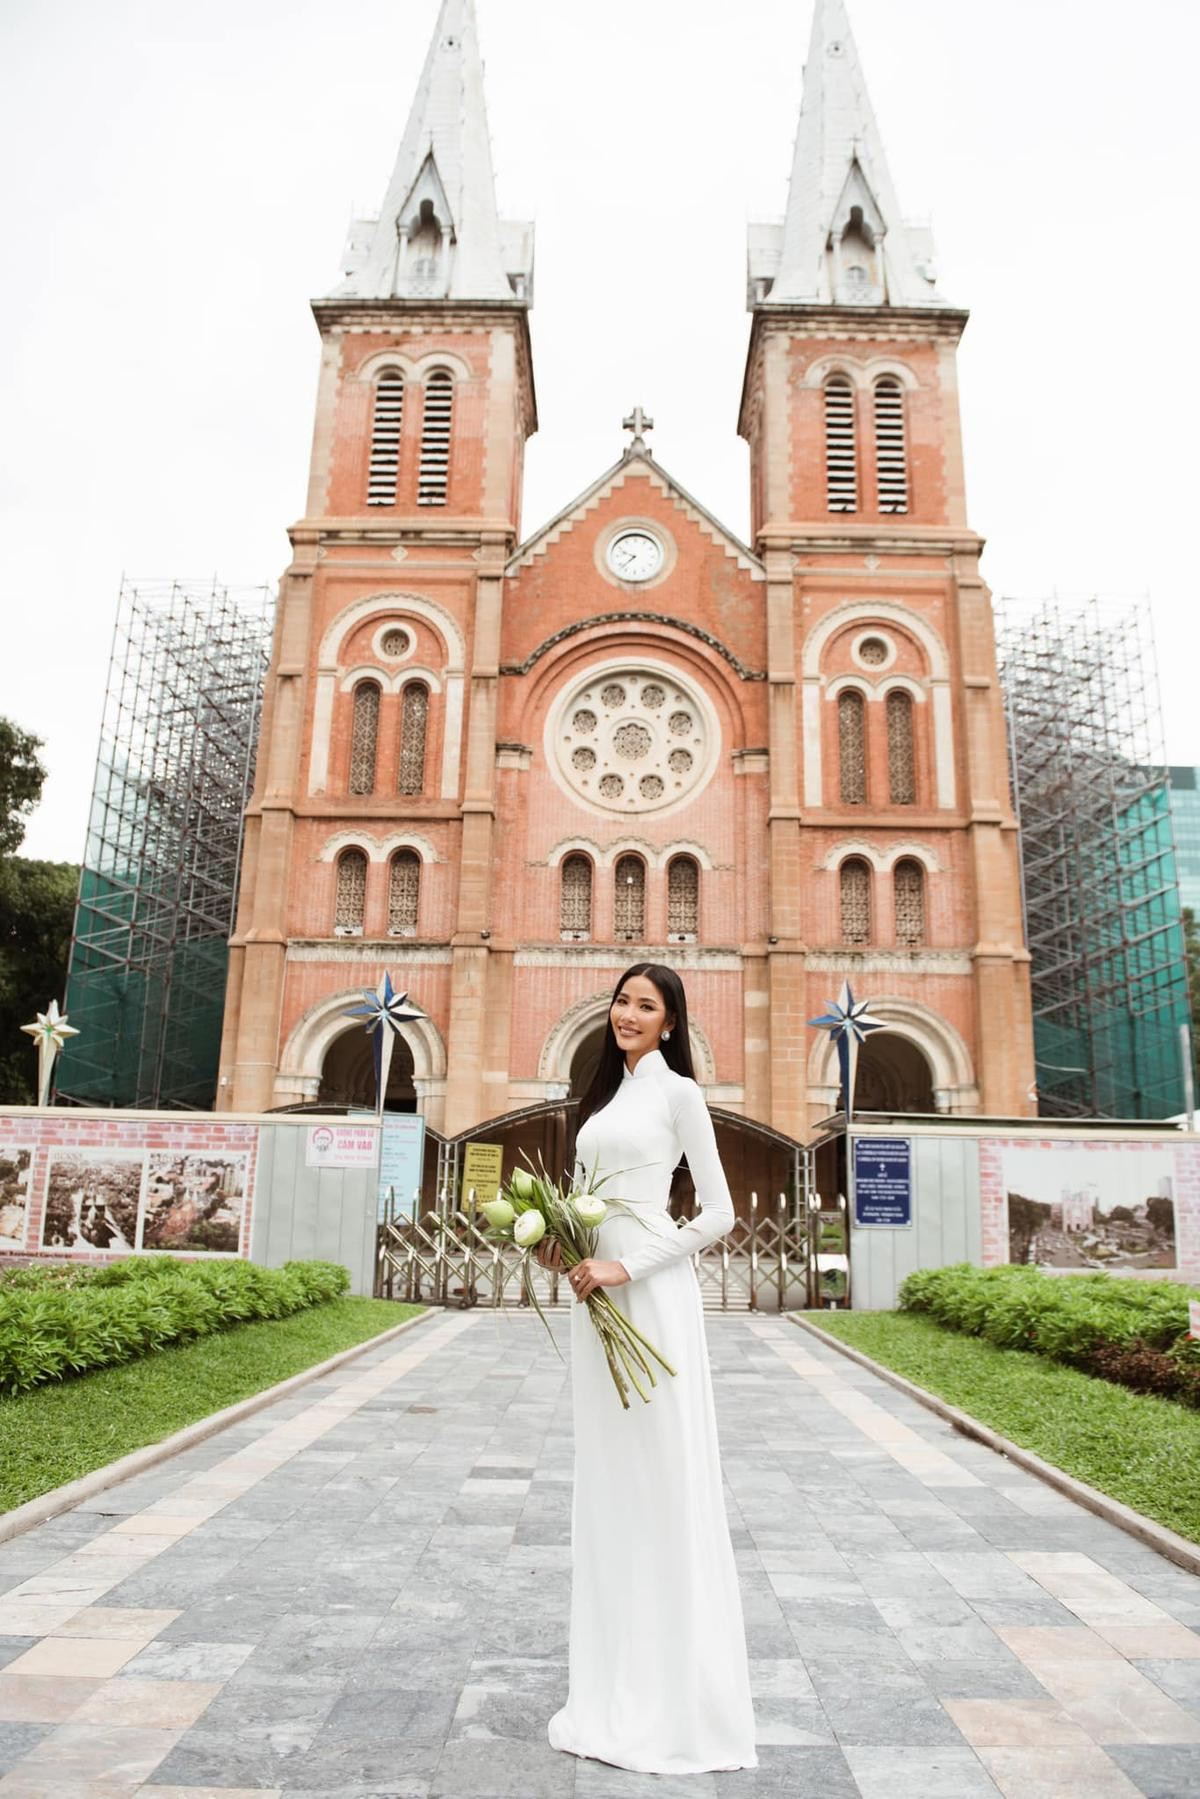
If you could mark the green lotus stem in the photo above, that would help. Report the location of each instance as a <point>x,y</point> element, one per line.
<point>628,1325</point>
<point>642,1394</point>
<point>610,1355</point>
<point>629,1348</point>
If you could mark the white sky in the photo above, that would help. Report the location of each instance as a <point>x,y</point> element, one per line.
<point>181,177</point>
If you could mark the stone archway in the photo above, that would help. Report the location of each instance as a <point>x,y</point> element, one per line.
<point>893,1076</point>
<point>933,1037</point>
<point>348,1074</point>
<point>302,1060</point>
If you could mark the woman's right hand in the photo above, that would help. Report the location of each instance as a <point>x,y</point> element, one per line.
<point>549,1254</point>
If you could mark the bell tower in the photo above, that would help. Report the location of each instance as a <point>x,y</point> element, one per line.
<point>373,805</point>
<point>893,845</point>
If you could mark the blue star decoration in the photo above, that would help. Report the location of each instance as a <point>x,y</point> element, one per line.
<point>848,1022</point>
<point>383,1012</point>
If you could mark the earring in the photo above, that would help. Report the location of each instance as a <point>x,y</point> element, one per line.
<point>666,1036</point>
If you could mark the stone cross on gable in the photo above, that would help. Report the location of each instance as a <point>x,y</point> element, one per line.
<point>637,422</point>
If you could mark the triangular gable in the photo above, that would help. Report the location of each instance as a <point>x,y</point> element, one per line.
<point>427,186</point>
<point>611,482</point>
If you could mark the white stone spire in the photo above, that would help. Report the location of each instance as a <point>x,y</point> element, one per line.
<point>843,241</point>
<point>437,235</point>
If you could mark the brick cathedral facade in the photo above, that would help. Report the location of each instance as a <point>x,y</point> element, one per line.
<point>504,768</point>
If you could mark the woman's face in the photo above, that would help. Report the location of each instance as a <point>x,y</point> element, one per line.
<point>639,1017</point>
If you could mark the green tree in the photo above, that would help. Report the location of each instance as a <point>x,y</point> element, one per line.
<point>37,911</point>
<point>21,777</point>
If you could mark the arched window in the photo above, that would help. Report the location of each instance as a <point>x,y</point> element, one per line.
<point>908,885</point>
<point>351,894</point>
<point>856,901</point>
<point>414,718</point>
<point>852,748</point>
<point>364,735</point>
<point>902,771</point>
<point>404,893</point>
<point>434,475</point>
<point>683,897</point>
<point>629,898</point>
<point>841,460</point>
<point>386,421</point>
<point>575,897</point>
<point>891,454</point>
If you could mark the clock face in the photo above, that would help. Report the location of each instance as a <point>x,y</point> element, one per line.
<point>635,556</point>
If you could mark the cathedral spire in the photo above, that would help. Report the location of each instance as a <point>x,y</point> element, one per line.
<point>438,236</point>
<point>843,241</point>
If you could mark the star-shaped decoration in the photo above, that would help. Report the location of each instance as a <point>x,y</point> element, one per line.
<point>848,1022</point>
<point>383,1012</point>
<point>385,1008</point>
<point>51,1027</point>
<point>50,1033</point>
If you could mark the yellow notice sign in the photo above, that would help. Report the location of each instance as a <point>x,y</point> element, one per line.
<point>483,1165</point>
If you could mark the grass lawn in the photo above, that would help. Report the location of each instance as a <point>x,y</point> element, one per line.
<point>1138,1449</point>
<point>57,1432</point>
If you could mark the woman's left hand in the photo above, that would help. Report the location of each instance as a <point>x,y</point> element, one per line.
<point>592,1273</point>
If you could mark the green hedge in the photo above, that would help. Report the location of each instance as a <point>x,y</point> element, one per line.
<point>1129,1331</point>
<point>55,1326</point>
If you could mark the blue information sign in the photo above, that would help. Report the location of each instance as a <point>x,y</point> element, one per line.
<point>401,1161</point>
<point>883,1181</point>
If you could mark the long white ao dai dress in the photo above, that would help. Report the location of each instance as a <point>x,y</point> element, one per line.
<point>659,1680</point>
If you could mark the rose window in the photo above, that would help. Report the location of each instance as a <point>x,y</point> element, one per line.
<point>632,741</point>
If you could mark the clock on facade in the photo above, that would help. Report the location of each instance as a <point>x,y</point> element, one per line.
<point>635,555</point>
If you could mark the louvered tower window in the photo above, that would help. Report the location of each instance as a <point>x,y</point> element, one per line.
<point>414,721</point>
<point>404,893</point>
<point>385,439</point>
<point>891,454</point>
<point>351,894</point>
<point>434,476</point>
<point>683,897</point>
<point>629,898</point>
<point>908,883</point>
<point>575,897</point>
<point>364,735</point>
<point>856,901</point>
<point>841,461</point>
<point>852,748</point>
<point>902,773</point>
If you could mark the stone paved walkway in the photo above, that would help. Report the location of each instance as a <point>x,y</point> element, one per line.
<point>362,1592</point>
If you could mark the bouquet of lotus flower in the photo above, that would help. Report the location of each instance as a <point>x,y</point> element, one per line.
<point>531,1208</point>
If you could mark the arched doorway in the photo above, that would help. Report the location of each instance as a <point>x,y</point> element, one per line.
<point>348,1074</point>
<point>893,1076</point>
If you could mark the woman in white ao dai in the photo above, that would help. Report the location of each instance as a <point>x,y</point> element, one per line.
<point>659,1680</point>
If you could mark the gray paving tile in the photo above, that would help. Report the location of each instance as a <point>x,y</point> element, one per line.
<point>11,1647</point>
<point>16,1740</point>
<point>1160,1772</point>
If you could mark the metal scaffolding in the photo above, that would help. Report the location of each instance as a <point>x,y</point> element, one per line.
<point>146,982</point>
<point>1101,888</point>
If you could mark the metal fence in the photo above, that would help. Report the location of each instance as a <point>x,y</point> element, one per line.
<point>766,1263</point>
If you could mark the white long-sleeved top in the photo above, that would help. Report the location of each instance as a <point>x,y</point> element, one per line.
<point>653,1119</point>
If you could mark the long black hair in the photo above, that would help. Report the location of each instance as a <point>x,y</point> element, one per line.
<point>677,1050</point>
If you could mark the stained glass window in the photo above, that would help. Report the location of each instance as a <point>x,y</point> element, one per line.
<point>404,893</point>
<point>683,896</point>
<point>908,882</point>
<point>351,895</point>
<point>364,734</point>
<point>575,897</point>
<point>902,774</point>
<point>852,748</point>
<point>629,898</point>
<point>414,718</point>
<point>856,901</point>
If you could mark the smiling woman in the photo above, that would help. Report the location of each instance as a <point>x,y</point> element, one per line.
<point>652,1559</point>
